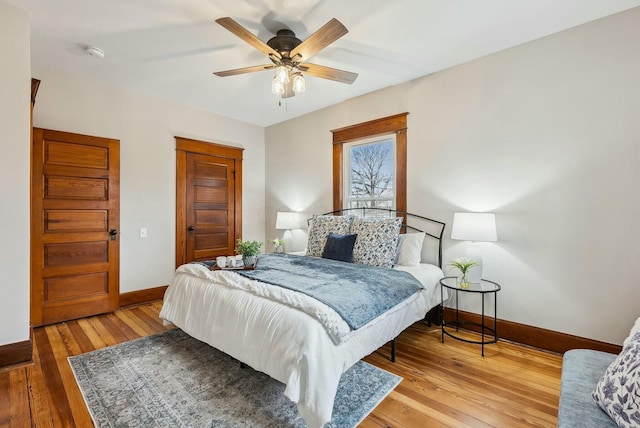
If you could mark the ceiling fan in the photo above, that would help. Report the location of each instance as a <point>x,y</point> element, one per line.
<point>288,55</point>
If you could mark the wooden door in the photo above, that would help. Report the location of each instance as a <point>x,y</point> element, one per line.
<point>75,216</point>
<point>210,206</point>
<point>208,200</point>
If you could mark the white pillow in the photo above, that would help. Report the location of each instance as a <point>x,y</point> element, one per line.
<point>635,329</point>
<point>410,249</point>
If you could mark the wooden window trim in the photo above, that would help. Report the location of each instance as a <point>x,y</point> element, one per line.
<point>184,146</point>
<point>396,124</point>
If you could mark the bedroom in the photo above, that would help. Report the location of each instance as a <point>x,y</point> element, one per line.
<point>551,123</point>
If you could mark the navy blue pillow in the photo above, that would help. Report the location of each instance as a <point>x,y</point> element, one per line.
<point>339,247</point>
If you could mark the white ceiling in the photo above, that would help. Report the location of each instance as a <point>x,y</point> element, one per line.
<point>169,48</point>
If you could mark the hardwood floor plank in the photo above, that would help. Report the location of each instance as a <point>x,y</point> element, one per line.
<point>79,414</point>
<point>153,323</point>
<point>13,391</point>
<point>444,384</point>
<point>139,327</point>
<point>39,404</point>
<point>118,329</point>
<point>94,337</point>
<point>68,339</point>
<point>80,337</point>
<point>103,331</point>
<point>154,315</point>
<point>18,398</point>
<point>61,415</point>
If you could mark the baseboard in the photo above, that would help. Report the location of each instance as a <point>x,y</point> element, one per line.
<point>142,296</point>
<point>535,336</point>
<point>16,353</point>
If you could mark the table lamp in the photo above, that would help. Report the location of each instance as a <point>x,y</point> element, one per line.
<point>288,221</point>
<point>474,227</point>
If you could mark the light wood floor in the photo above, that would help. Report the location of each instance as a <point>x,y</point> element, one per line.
<point>445,385</point>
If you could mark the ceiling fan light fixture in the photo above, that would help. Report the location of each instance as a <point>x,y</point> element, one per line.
<point>277,87</point>
<point>298,83</point>
<point>282,74</point>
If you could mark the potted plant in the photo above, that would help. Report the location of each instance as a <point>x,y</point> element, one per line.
<point>278,245</point>
<point>463,264</point>
<point>249,251</point>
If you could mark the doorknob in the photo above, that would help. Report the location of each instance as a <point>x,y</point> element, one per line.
<point>113,233</point>
<point>191,229</point>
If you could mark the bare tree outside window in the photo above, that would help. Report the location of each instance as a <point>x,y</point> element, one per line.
<point>372,175</point>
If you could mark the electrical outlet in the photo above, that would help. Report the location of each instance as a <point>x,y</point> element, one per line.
<point>143,232</point>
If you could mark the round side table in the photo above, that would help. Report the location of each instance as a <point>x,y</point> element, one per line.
<point>488,334</point>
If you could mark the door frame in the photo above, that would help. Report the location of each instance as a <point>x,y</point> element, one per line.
<point>184,146</point>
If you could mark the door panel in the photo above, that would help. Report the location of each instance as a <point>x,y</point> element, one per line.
<point>75,188</point>
<point>59,289</point>
<point>75,206</point>
<point>75,221</point>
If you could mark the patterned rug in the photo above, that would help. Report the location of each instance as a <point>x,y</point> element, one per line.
<point>173,380</point>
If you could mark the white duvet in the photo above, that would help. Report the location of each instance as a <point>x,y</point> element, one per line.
<point>302,343</point>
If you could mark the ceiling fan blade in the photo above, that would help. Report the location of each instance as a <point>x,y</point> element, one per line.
<point>328,73</point>
<point>244,70</point>
<point>327,34</point>
<point>247,36</point>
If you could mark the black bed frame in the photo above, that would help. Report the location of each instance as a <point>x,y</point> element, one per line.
<point>435,232</point>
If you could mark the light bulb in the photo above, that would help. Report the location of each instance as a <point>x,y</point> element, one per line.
<point>277,87</point>
<point>298,83</point>
<point>282,74</point>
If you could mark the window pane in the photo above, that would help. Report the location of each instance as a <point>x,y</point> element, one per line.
<point>371,175</point>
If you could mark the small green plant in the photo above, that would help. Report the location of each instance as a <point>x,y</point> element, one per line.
<point>248,248</point>
<point>277,244</point>
<point>463,264</point>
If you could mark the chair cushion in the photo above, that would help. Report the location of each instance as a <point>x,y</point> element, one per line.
<point>581,370</point>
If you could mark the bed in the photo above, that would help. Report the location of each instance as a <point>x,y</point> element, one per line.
<point>294,338</point>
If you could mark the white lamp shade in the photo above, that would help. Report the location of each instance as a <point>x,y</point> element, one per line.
<point>282,74</point>
<point>277,87</point>
<point>289,220</point>
<point>479,227</point>
<point>298,84</point>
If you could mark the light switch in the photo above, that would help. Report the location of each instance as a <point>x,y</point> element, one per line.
<point>143,232</point>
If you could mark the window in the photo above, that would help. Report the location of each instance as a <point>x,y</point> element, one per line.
<point>369,172</point>
<point>350,188</point>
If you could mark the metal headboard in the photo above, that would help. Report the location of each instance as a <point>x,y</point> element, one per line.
<point>437,226</point>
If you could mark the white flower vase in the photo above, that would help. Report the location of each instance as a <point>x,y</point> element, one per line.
<point>463,281</point>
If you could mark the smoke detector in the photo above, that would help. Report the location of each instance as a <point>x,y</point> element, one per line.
<point>95,52</point>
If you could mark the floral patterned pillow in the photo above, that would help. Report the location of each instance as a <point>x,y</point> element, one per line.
<point>618,391</point>
<point>377,241</point>
<point>321,227</point>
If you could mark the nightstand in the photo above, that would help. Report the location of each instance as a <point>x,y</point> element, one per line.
<point>489,335</point>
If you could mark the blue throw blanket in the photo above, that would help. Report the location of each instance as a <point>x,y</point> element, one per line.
<point>356,292</point>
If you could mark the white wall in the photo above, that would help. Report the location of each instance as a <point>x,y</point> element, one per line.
<point>547,136</point>
<point>146,128</point>
<point>15,89</point>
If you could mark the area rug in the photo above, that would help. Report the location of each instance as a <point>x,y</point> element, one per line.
<point>173,380</point>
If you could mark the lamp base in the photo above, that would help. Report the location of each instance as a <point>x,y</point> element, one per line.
<point>474,274</point>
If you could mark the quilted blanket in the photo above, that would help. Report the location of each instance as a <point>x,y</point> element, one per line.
<point>356,292</point>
